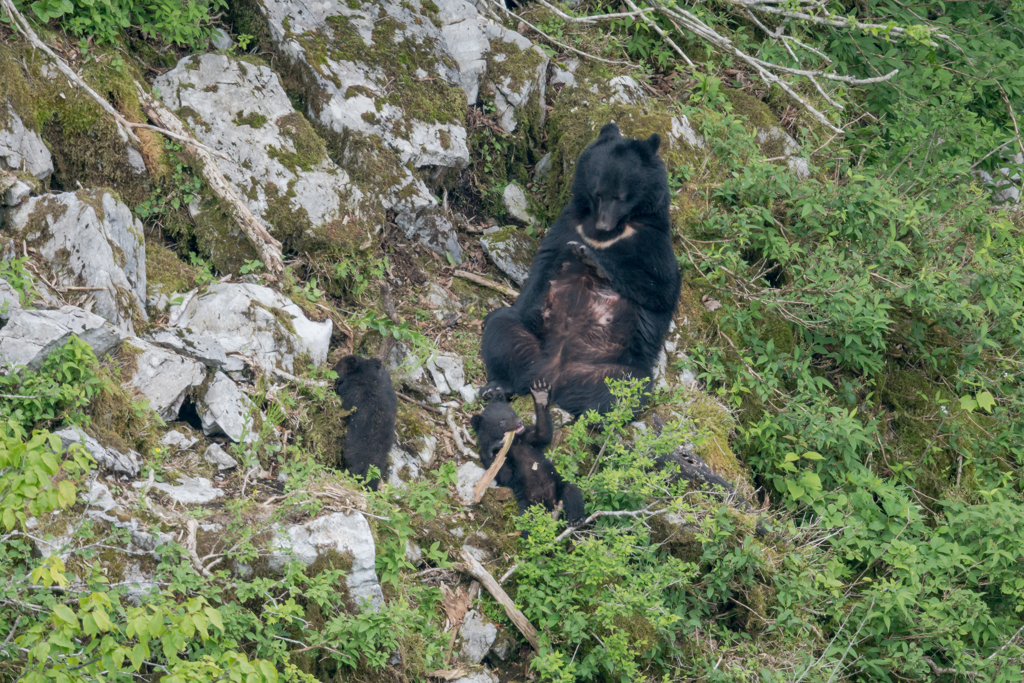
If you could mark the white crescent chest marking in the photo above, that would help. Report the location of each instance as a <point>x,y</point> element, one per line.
<point>597,244</point>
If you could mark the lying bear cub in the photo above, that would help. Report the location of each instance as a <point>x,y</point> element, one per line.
<point>531,476</point>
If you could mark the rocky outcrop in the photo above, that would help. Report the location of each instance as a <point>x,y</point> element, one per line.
<point>380,80</point>
<point>255,321</point>
<point>9,300</point>
<point>188,490</point>
<point>90,240</point>
<point>516,77</point>
<point>161,376</point>
<point>478,634</point>
<point>30,336</point>
<point>345,534</point>
<point>511,250</point>
<point>21,149</point>
<point>276,160</point>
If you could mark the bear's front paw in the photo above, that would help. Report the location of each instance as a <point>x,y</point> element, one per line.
<point>541,390</point>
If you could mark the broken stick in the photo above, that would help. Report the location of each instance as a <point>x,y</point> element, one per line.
<point>492,471</point>
<point>487,282</point>
<point>268,248</point>
<point>477,571</point>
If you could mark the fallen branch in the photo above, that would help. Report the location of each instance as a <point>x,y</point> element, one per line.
<point>581,53</point>
<point>492,471</point>
<point>477,571</point>
<point>487,282</point>
<point>449,417</point>
<point>190,545</point>
<point>268,248</point>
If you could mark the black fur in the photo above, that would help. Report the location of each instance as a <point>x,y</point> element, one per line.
<point>364,384</point>
<point>532,477</point>
<point>602,288</point>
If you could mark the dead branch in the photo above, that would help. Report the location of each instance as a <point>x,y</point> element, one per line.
<point>421,404</point>
<point>487,282</point>
<point>608,513</point>
<point>470,566</point>
<point>266,246</point>
<point>581,53</point>
<point>492,471</point>
<point>190,544</point>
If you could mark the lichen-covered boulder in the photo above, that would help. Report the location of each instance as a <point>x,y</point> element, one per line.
<point>21,148</point>
<point>161,376</point>
<point>188,490</point>
<point>348,535</point>
<point>30,336</point>
<point>510,249</point>
<point>477,634</point>
<point>9,300</point>
<point>465,34</point>
<point>276,160</point>
<point>204,349</point>
<point>516,77</point>
<point>382,86</point>
<point>775,142</point>
<point>90,239</point>
<point>257,321</point>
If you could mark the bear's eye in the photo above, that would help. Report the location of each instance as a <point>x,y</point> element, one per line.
<point>502,423</point>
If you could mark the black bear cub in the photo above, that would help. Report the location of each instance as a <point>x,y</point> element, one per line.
<point>364,386</point>
<point>530,475</point>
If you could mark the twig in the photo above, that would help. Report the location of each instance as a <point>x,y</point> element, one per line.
<point>477,571</point>
<point>266,246</point>
<point>487,282</point>
<point>594,18</point>
<point>421,404</point>
<point>449,417</point>
<point>510,572</point>
<point>940,670</point>
<point>492,471</point>
<point>608,513</point>
<point>661,32</point>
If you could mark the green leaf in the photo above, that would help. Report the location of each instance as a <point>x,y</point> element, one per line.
<point>66,614</point>
<point>139,654</point>
<point>986,400</point>
<point>811,455</point>
<point>214,616</point>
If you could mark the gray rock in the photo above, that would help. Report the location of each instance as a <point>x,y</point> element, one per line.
<point>428,449</point>
<point>127,464</point>
<point>30,336</point>
<point>98,498</point>
<point>226,410</point>
<point>463,32</point>
<point>514,93</point>
<point>468,393</point>
<point>221,40</point>
<point>189,491</point>
<point>626,90</point>
<point>511,250</point>
<point>215,455</point>
<point>516,204</point>
<point>468,475</point>
<point>479,554</point>
<point>257,321</point>
<point>404,467</point>
<point>90,240</point>
<point>17,193</point>
<point>175,439</point>
<point>774,139</point>
<point>21,149</point>
<point>204,349</point>
<point>413,552</point>
<point>347,534</point>
<point>543,167</point>
<point>484,676</point>
<point>477,635</point>
<point>562,77</point>
<point>9,300</point>
<point>684,132</point>
<point>447,372</point>
<point>162,376</point>
<point>441,303</point>
<point>242,110</point>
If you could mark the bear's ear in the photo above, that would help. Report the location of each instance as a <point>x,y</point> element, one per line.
<point>346,365</point>
<point>652,144</point>
<point>475,421</point>
<point>609,131</point>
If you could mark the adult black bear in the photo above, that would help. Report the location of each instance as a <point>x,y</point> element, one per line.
<point>602,288</point>
<point>531,476</point>
<point>364,385</point>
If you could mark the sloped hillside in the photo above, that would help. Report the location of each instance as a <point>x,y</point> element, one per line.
<point>204,206</point>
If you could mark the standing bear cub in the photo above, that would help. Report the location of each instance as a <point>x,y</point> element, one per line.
<point>602,288</point>
<point>364,386</point>
<point>530,475</point>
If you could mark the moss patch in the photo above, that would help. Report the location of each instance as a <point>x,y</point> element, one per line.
<point>252,120</point>
<point>165,272</point>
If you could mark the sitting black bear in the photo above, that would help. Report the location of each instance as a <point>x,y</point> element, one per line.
<point>532,477</point>
<point>602,288</point>
<point>364,386</point>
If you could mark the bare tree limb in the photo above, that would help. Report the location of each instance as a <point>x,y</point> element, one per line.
<point>581,53</point>
<point>608,513</point>
<point>470,566</point>
<point>492,471</point>
<point>657,29</point>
